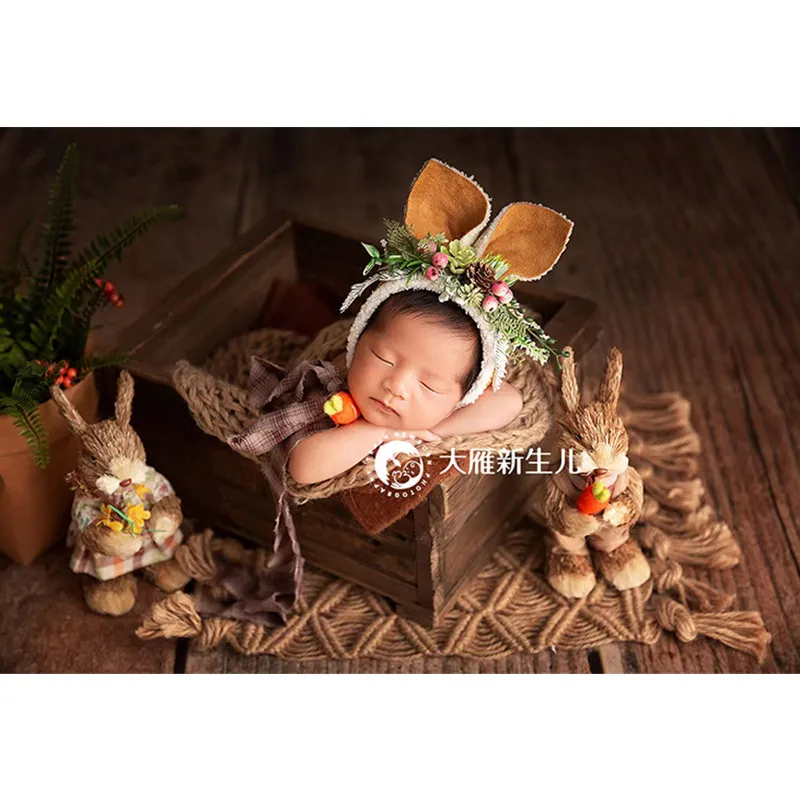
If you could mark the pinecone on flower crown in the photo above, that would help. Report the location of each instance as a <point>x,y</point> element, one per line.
<point>482,275</point>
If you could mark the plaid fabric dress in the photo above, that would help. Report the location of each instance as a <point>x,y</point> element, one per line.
<point>86,510</point>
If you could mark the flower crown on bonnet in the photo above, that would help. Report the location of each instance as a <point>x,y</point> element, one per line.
<point>445,246</point>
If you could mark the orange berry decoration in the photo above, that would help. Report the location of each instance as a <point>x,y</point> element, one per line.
<point>341,408</point>
<point>594,498</point>
<point>112,295</point>
<point>66,375</point>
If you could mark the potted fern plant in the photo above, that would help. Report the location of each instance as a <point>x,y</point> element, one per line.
<point>46,310</point>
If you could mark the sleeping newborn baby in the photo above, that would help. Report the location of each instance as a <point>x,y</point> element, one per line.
<point>412,365</point>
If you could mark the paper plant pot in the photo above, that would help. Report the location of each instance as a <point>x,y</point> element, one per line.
<point>34,502</point>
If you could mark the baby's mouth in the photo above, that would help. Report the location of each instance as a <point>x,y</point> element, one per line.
<point>383,406</point>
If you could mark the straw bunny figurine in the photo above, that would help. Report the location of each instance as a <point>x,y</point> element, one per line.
<point>606,487</point>
<point>125,515</point>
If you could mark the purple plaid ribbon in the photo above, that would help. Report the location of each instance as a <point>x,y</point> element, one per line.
<point>293,411</point>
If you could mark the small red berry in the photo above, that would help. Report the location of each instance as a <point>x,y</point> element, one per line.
<point>71,373</point>
<point>113,297</point>
<point>110,288</point>
<point>99,282</point>
<point>120,301</point>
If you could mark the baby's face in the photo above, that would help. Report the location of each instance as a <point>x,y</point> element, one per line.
<point>412,365</point>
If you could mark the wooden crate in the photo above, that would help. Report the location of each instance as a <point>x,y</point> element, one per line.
<point>421,561</point>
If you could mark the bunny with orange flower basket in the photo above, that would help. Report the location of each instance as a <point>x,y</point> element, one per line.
<point>602,500</point>
<point>125,515</point>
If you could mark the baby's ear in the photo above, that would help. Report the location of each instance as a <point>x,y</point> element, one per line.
<point>529,236</point>
<point>444,200</point>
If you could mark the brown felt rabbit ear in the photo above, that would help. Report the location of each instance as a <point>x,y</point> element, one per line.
<point>124,402</point>
<point>611,384</point>
<point>569,381</point>
<point>444,200</point>
<point>76,423</point>
<point>529,236</point>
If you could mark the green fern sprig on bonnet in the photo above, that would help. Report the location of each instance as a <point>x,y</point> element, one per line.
<point>477,282</point>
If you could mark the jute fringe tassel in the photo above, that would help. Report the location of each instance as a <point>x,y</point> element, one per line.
<point>509,608</point>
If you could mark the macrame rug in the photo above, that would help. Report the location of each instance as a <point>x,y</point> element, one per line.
<point>508,610</point>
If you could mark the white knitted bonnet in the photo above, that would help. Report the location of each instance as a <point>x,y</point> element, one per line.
<point>445,246</point>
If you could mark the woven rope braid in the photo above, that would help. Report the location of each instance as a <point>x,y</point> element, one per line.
<point>509,608</point>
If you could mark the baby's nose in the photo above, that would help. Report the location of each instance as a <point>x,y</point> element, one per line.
<point>395,386</point>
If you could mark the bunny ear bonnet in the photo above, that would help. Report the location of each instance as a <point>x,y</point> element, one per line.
<point>445,246</point>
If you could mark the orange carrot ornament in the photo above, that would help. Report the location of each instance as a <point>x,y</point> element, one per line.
<point>341,408</point>
<point>594,498</point>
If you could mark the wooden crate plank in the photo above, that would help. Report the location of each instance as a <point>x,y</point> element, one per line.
<point>360,185</point>
<point>190,321</point>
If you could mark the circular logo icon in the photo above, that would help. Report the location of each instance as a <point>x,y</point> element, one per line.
<point>398,466</point>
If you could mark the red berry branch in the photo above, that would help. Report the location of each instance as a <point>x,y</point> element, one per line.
<point>66,374</point>
<point>113,296</point>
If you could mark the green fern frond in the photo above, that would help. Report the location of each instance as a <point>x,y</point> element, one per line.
<point>90,300</point>
<point>45,317</point>
<point>94,299</point>
<point>106,247</point>
<point>45,329</point>
<point>14,266</point>
<point>24,411</point>
<point>103,248</point>
<point>400,239</point>
<point>58,227</point>
<point>12,358</point>
<point>115,358</point>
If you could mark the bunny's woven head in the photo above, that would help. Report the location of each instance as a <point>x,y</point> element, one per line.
<point>446,245</point>
<point>111,454</point>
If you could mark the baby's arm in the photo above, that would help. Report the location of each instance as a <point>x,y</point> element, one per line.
<point>490,412</point>
<point>328,453</point>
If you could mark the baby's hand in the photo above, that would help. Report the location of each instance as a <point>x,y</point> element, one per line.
<point>426,435</point>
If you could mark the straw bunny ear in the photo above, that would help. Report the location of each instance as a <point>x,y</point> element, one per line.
<point>444,200</point>
<point>569,381</point>
<point>124,402</point>
<point>75,422</point>
<point>611,384</point>
<point>529,236</point>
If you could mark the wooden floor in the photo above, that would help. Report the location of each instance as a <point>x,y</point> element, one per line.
<point>688,240</point>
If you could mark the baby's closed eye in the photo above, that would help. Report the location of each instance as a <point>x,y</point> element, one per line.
<point>422,383</point>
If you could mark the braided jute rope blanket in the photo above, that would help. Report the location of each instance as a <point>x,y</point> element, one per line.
<point>508,609</point>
